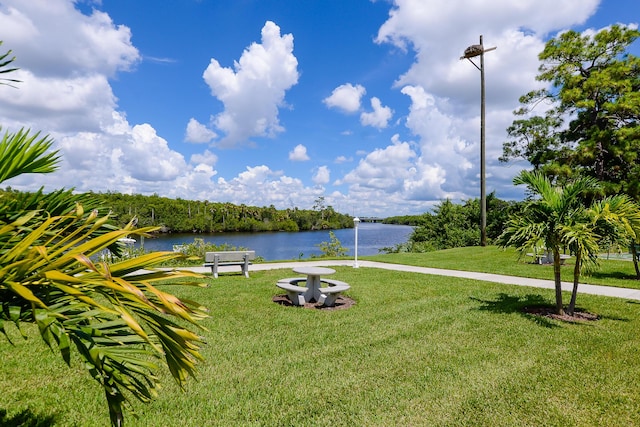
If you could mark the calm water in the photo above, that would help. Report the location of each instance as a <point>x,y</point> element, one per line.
<point>283,245</point>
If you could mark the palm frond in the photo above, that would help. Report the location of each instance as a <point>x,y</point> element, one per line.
<point>5,61</point>
<point>112,315</point>
<point>22,153</point>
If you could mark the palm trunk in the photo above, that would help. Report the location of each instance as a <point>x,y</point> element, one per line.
<point>576,279</point>
<point>557,280</point>
<point>115,400</point>
<point>634,252</point>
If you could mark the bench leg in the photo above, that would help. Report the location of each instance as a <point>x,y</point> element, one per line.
<point>214,269</point>
<point>245,267</point>
<point>322,299</point>
<point>296,298</point>
<point>328,300</point>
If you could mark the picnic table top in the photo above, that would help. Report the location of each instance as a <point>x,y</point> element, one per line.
<point>313,271</point>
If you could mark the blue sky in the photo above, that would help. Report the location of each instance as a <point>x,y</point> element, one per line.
<point>263,102</point>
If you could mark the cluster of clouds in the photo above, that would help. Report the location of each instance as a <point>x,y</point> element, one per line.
<point>70,96</point>
<point>348,98</point>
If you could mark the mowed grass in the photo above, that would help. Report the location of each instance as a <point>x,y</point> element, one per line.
<point>415,350</point>
<point>492,259</point>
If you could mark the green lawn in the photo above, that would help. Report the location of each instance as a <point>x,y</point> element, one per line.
<point>415,350</point>
<point>492,259</point>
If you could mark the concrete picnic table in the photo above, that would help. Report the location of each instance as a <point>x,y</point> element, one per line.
<point>313,280</point>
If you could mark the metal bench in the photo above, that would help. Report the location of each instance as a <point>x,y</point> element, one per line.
<point>241,258</point>
<point>546,258</point>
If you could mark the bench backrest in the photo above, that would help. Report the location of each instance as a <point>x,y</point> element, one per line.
<point>226,256</point>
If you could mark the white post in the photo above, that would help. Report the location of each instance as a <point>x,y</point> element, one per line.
<point>356,221</point>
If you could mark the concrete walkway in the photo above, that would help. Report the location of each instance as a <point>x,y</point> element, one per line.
<point>609,291</point>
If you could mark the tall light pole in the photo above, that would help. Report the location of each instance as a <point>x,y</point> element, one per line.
<point>471,52</point>
<point>356,221</point>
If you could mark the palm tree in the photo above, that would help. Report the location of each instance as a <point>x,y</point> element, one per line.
<point>547,217</point>
<point>616,217</point>
<point>112,315</point>
<point>582,239</point>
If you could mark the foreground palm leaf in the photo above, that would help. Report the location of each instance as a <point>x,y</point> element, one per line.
<point>112,314</point>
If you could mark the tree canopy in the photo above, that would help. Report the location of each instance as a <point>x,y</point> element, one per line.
<point>589,123</point>
<point>457,225</point>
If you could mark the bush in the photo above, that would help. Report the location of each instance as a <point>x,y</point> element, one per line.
<point>333,248</point>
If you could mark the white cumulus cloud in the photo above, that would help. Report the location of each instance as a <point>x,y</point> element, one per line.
<point>342,159</point>
<point>65,91</point>
<point>254,89</point>
<point>206,158</point>
<point>379,117</point>
<point>54,39</point>
<point>384,169</point>
<point>346,97</point>
<point>198,133</point>
<point>444,91</point>
<point>322,175</point>
<point>299,154</point>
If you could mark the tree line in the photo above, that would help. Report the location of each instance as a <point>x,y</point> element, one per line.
<point>189,216</point>
<point>452,225</point>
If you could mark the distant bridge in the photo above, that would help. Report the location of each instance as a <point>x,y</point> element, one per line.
<point>370,219</point>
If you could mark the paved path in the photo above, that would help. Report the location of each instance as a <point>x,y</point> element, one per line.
<point>610,291</point>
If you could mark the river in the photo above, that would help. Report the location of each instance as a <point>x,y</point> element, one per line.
<point>274,246</point>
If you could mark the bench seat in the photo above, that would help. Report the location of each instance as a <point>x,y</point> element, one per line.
<point>329,295</point>
<point>332,282</point>
<point>543,258</point>
<point>241,258</point>
<point>295,293</point>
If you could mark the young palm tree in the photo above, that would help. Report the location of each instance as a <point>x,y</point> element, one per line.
<point>582,239</point>
<point>112,315</point>
<point>618,216</point>
<point>547,218</point>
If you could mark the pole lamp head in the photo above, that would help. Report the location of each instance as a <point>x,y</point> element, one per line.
<point>356,221</point>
